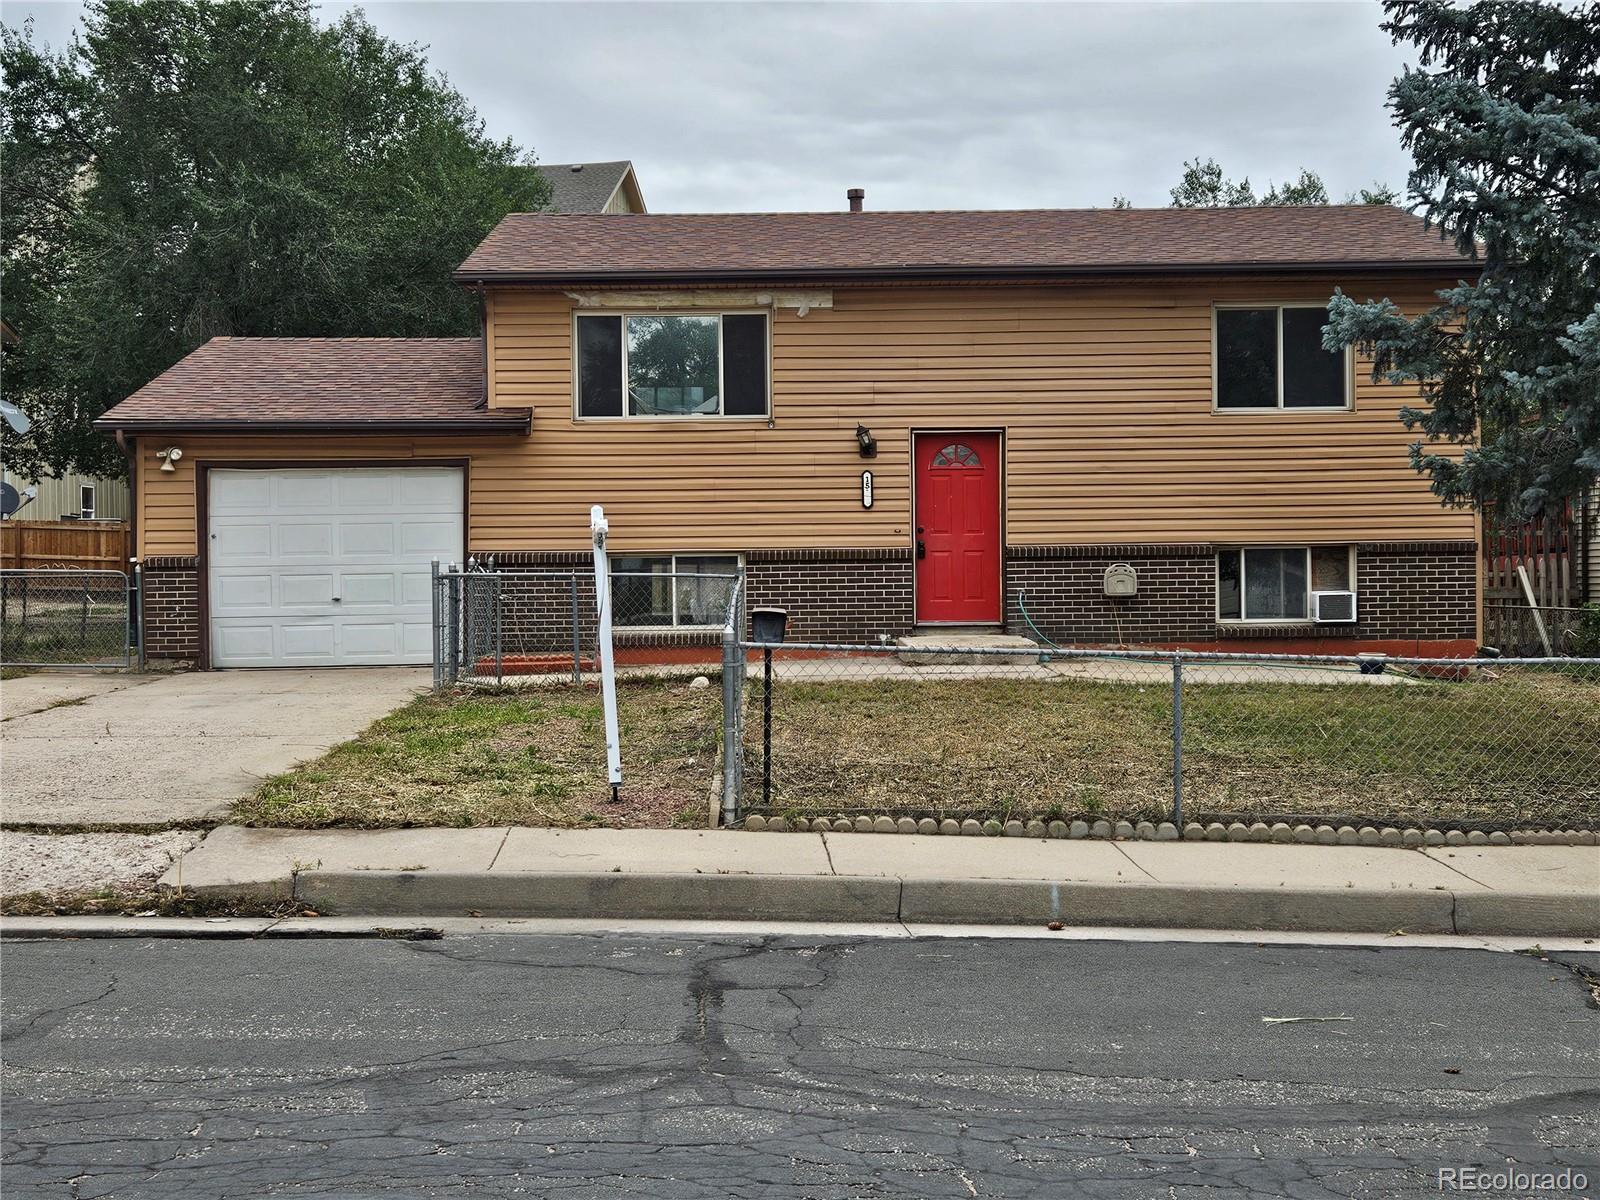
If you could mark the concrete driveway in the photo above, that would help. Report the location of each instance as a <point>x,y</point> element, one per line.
<point>128,749</point>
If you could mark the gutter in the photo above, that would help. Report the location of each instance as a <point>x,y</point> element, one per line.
<point>505,421</point>
<point>131,449</point>
<point>480,278</point>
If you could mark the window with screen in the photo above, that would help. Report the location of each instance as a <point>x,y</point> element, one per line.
<point>671,365</point>
<point>1272,357</point>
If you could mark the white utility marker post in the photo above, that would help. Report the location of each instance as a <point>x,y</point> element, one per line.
<point>608,668</point>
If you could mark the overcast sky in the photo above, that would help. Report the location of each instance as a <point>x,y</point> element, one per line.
<point>758,106</point>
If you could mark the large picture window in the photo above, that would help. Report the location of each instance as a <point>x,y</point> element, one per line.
<point>1271,356</point>
<point>672,589</point>
<point>671,365</point>
<point>1274,583</point>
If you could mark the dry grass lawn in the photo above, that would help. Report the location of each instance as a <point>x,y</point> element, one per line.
<point>512,756</point>
<point>1523,750</point>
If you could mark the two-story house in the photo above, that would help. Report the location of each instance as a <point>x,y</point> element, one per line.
<point>891,420</point>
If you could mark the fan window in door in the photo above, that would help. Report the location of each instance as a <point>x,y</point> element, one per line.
<point>956,455</point>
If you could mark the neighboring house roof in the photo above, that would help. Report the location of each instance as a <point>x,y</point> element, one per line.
<point>433,385</point>
<point>591,187</point>
<point>535,247</point>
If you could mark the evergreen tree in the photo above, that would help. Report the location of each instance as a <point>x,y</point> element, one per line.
<point>184,170</point>
<point>1502,118</point>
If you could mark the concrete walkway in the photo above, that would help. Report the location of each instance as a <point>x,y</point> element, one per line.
<point>140,750</point>
<point>1551,891</point>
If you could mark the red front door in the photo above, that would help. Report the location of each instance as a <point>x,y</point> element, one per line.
<point>958,528</point>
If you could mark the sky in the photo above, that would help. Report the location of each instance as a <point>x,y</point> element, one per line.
<point>756,106</point>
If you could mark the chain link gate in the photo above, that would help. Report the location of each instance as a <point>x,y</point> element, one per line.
<point>67,618</point>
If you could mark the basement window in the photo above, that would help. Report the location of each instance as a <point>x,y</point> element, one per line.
<point>671,365</point>
<point>1274,583</point>
<point>1271,357</point>
<point>672,590</point>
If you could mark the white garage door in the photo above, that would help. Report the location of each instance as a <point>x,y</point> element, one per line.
<point>327,567</point>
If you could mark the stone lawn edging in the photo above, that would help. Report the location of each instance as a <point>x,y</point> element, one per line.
<point>1167,831</point>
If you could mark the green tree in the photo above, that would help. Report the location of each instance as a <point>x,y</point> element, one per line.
<point>1502,118</point>
<point>184,170</point>
<point>1203,185</point>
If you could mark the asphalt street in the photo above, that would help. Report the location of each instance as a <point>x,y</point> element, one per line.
<point>630,1065</point>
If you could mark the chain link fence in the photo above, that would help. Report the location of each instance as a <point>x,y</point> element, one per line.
<point>823,730</point>
<point>493,624</point>
<point>66,617</point>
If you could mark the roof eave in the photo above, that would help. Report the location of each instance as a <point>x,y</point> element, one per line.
<point>513,421</point>
<point>974,274</point>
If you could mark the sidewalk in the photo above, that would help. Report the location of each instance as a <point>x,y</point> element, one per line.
<point>1549,891</point>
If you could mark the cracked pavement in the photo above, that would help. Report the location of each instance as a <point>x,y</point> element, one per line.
<point>625,1065</point>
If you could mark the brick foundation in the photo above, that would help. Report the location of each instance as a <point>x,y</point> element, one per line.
<point>834,596</point>
<point>171,608</point>
<point>1412,598</point>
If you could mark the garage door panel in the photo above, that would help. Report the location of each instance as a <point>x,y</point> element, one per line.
<point>371,490</point>
<point>314,639</point>
<point>284,543</point>
<point>305,540</point>
<point>369,638</point>
<point>232,541</point>
<point>414,590</point>
<point>241,593</point>
<point>430,491</point>
<point>249,644</point>
<point>371,538</point>
<point>430,538</point>
<point>306,591</point>
<point>302,491</point>
<point>374,588</point>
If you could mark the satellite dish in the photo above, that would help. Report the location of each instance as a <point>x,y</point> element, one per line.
<point>10,500</point>
<point>15,417</point>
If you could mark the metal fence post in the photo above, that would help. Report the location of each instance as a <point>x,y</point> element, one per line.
<point>1177,741</point>
<point>453,631</point>
<point>438,664</point>
<point>499,653</point>
<point>577,637</point>
<point>732,752</point>
<point>136,611</point>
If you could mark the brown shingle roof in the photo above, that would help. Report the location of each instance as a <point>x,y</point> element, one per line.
<point>557,247</point>
<point>430,385</point>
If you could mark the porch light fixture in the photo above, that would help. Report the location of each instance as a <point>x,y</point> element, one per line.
<point>865,442</point>
<point>169,458</point>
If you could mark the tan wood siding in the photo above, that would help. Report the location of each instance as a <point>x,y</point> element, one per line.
<point>1103,392</point>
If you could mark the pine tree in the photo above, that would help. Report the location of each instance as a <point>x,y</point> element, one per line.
<point>1502,118</point>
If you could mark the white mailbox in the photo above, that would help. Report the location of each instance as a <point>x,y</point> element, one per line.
<point>1121,580</point>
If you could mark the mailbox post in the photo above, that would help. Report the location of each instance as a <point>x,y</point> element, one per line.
<point>769,626</point>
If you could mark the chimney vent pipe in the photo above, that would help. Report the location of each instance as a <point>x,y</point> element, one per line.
<point>856,196</point>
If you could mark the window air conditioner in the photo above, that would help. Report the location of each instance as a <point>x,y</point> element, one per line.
<point>1333,608</point>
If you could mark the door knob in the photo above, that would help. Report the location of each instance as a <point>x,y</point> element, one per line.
<point>922,548</point>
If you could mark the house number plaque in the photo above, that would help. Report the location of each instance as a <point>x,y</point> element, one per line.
<point>866,489</point>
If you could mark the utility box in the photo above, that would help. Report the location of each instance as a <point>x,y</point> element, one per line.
<point>1121,580</point>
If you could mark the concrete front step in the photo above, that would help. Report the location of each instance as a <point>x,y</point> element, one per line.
<point>943,649</point>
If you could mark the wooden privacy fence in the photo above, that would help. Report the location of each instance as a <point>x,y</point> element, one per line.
<point>1549,553</point>
<point>91,545</point>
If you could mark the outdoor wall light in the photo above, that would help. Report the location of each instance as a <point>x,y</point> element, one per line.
<point>169,458</point>
<point>865,442</point>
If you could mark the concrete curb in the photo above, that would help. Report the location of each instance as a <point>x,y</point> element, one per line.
<point>611,894</point>
<point>856,898</point>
